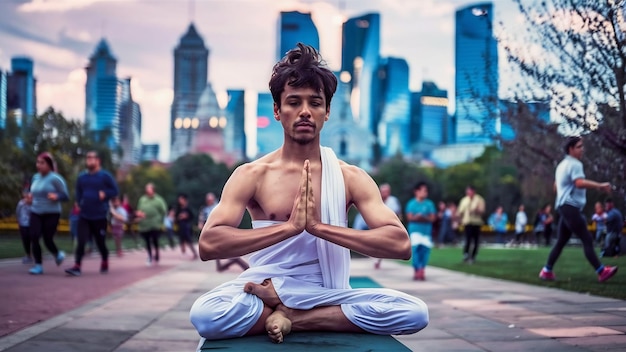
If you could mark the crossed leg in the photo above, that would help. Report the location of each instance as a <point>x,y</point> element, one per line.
<point>280,320</point>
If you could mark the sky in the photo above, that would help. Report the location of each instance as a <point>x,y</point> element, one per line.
<point>60,35</point>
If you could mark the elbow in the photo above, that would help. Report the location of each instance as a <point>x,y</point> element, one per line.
<point>405,250</point>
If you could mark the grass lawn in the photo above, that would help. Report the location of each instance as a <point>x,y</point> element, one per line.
<point>572,270</point>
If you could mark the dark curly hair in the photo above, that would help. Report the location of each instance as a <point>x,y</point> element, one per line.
<point>302,67</point>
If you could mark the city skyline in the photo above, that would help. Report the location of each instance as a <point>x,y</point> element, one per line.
<point>422,33</point>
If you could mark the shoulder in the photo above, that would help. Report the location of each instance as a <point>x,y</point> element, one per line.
<point>57,176</point>
<point>352,173</point>
<point>106,174</point>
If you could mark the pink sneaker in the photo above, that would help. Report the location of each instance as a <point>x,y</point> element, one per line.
<point>547,275</point>
<point>607,273</point>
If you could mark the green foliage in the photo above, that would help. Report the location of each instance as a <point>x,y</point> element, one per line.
<point>196,175</point>
<point>51,132</point>
<point>133,185</point>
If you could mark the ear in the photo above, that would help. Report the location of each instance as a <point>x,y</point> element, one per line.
<point>276,112</point>
<point>327,114</point>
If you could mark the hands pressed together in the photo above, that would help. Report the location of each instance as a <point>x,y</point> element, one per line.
<point>304,215</point>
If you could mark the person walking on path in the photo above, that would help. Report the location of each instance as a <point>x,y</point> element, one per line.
<point>22,212</point>
<point>471,209</point>
<point>94,188</point>
<point>599,218</point>
<point>48,189</point>
<point>521,220</point>
<point>499,222</point>
<point>119,217</point>
<point>168,225</point>
<point>151,211</point>
<point>392,203</point>
<point>420,213</point>
<point>184,218</point>
<point>571,197</point>
<point>543,225</point>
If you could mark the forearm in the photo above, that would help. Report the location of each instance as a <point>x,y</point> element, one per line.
<point>389,241</point>
<point>589,184</point>
<point>223,242</point>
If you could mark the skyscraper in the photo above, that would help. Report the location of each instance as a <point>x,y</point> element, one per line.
<point>130,125</point>
<point>235,134</point>
<point>294,27</point>
<point>3,99</point>
<point>430,122</point>
<point>190,80</point>
<point>359,67</point>
<point>102,97</point>
<point>269,132</point>
<point>21,90</point>
<point>395,107</point>
<point>476,80</point>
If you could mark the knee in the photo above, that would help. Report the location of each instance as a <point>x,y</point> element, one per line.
<point>417,316</point>
<point>206,322</point>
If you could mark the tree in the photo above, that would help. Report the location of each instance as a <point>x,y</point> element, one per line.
<point>198,174</point>
<point>571,53</point>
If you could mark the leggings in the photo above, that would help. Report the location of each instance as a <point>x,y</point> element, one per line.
<point>43,225</point>
<point>96,230</point>
<point>152,239</point>
<point>573,221</point>
<point>25,234</point>
<point>421,254</point>
<point>472,234</point>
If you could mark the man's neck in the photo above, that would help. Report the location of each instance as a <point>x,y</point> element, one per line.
<point>94,170</point>
<point>295,152</point>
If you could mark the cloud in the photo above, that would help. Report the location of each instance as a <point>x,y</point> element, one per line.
<point>57,5</point>
<point>67,96</point>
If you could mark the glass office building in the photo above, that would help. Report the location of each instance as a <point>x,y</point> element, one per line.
<point>294,27</point>
<point>269,132</point>
<point>102,96</point>
<point>190,80</point>
<point>359,67</point>
<point>130,125</point>
<point>235,135</point>
<point>476,80</point>
<point>395,107</point>
<point>3,99</point>
<point>21,90</point>
<point>430,121</point>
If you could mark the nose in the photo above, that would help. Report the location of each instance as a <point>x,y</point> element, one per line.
<point>306,110</point>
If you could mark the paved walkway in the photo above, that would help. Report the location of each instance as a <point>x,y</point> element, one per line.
<point>467,313</point>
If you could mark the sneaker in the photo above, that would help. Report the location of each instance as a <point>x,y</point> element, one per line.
<point>547,275</point>
<point>27,260</point>
<point>36,270</point>
<point>149,262</point>
<point>74,271</point>
<point>104,267</point>
<point>60,257</point>
<point>607,273</point>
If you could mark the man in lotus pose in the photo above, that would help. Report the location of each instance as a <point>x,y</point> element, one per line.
<point>297,197</point>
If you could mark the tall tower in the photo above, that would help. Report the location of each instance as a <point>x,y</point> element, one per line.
<point>190,79</point>
<point>3,99</point>
<point>130,125</point>
<point>476,81</point>
<point>395,111</point>
<point>430,121</point>
<point>235,134</point>
<point>294,27</point>
<point>359,68</point>
<point>21,90</point>
<point>102,96</point>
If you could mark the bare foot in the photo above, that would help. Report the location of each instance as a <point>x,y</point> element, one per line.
<point>278,326</point>
<point>265,291</point>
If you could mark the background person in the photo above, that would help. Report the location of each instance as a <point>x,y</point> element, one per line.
<point>184,218</point>
<point>499,222</point>
<point>48,189</point>
<point>94,188</point>
<point>614,226</point>
<point>392,203</point>
<point>151,210</point>
<point>471,209</point>
<point>119,218</point>
<point>571,197</point>
<point>420,214</point>
<point>22,212</point>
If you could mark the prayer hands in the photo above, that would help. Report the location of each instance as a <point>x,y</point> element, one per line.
<point>304,214</point>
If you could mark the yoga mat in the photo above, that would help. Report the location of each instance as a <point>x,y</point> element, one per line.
<point>310,341</point>
<point>313,341</point>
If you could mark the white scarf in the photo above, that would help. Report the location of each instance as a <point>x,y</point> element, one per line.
<point>334,259</point>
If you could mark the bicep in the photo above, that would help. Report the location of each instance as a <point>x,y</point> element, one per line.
<point>237,192</point>
<point>366,198</point>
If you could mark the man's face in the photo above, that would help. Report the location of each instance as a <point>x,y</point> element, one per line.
<point>92,161</point>
<point>421,193</point>
<point>608,205</point>
<point>149,190</point>
<point>469,192</point>
<point>302,113</point>
<point>577,150</point>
